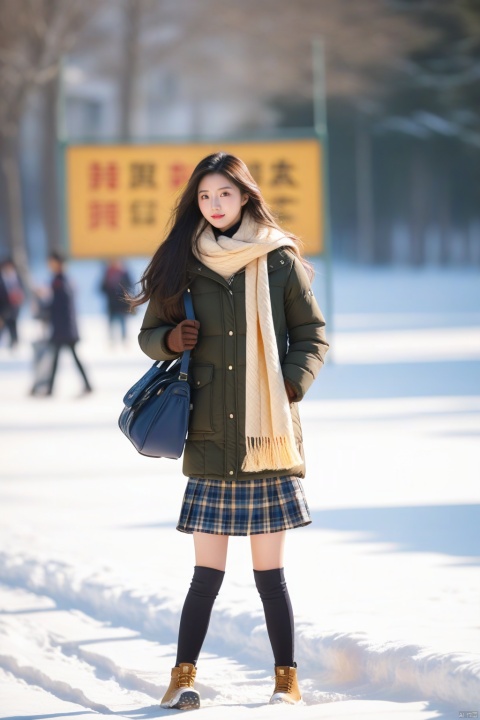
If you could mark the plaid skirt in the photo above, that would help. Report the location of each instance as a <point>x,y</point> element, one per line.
<point>243,507</point>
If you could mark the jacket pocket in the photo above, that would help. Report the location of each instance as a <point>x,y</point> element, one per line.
<point>201,415</point>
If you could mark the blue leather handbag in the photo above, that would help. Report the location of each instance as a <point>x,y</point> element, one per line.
<point>157,407</point>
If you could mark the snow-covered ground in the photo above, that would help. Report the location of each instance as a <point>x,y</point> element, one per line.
<point>385,583</point>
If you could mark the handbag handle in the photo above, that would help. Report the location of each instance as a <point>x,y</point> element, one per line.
<point>187,301</point>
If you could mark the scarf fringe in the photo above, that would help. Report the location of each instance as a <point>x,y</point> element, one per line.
<point>264,453</point>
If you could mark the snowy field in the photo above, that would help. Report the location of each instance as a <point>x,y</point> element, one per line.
<point>385,583</point>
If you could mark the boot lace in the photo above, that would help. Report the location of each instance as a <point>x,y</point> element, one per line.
<point>283,683</point>
<point>184,680</point>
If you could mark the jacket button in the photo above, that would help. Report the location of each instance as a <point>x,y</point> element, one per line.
<point>282,262</point>
<point>230,367</point>
<point>198,382</point>
<point>230,332</point>
<point>231,472</point>
<point>231,416</point>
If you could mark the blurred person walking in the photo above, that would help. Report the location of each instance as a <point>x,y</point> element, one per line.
<point>116,282</point>
<point>63,324</point>
<point>257,345</point>
<point>12,298</point>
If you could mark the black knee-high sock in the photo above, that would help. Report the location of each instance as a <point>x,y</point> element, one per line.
<point>197,608</point>
<point>273,591</point>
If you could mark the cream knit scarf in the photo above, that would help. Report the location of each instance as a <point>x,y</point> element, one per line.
<point>270,440</point>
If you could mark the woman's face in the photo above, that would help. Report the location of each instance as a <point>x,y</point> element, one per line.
<point>220,201</point>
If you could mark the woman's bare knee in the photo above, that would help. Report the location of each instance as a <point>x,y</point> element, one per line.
<point>267,550</point>
<point>210,550</point>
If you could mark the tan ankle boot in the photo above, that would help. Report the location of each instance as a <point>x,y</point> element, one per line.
<point>286,686</point>
<point>180,694</point>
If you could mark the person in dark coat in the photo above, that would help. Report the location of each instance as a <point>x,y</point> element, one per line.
<point>12,298</point>
<point>4,304</point>
<point>63,322</point>
<point>115,283</point>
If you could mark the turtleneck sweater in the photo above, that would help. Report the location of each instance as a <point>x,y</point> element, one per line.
<point>227,233</point>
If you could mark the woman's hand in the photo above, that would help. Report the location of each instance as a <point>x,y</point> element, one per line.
<point>183,337</point>
<point>291,392</point>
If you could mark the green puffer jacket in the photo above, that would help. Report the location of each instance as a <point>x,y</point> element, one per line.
<point>215,446</point>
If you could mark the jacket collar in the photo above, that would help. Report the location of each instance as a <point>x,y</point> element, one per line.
<point>280,258</point>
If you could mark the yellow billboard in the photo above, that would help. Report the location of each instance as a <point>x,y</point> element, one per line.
<point>120,197</point>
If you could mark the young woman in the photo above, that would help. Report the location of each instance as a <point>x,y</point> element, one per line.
<point>257,344</point>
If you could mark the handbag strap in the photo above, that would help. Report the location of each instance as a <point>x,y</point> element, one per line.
<point>187,301</point>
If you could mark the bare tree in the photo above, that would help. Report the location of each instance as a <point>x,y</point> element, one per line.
<point>219,50</point>
<point>49,163</point>
<point>262,51</point>
<point>440,84</point>
<point>34,35</point>
<point>259,50</point>
<point>132,12</point>
<point>265,47</point>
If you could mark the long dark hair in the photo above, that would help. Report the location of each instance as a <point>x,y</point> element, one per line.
<point>165,278</point>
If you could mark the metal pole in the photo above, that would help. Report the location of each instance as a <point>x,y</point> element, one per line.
<point>319,104</point>
<point>321,131</point>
